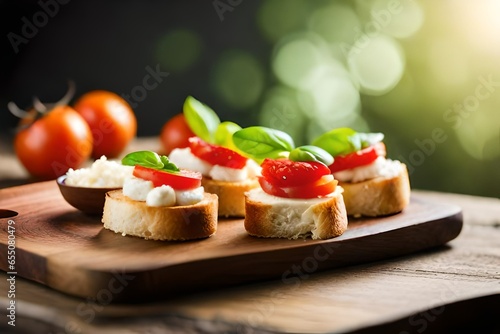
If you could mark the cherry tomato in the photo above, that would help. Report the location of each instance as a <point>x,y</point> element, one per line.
<point>287,173</point>
<point>324,186</point>
<point>216,155</point>
<point>359,158</point>
<point>183,180</point>
<point>111,120</point>
<point>175,133</point>
<point>59,140</point>
<point>296,179</point>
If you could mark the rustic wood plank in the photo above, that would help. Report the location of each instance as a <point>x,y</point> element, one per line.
<point>59,246</point>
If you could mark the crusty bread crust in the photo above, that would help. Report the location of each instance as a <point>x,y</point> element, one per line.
<point>128,217</point>
<point>380,196</point>
<point>231,195</point>
<point>329,219</point>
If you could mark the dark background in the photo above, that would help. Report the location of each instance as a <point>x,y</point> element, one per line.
<point>108,45</point>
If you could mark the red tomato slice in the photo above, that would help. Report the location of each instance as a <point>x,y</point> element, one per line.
<point>183,180</point>
<point>359,158</point>
<point>324,186</point>
<point>287,173</point>
<point>216,155</point>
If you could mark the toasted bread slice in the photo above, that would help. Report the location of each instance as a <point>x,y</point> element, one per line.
<point>128,217</point>
<point>274,217</point>
<point>380,196</point>
<point>231,195</point>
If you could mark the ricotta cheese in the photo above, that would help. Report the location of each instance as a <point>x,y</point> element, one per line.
<point>138,189</point>
<point>381,167</point>
<point>161,196</point>
<point>103,173</point>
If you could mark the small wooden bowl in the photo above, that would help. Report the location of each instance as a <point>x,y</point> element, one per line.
<point>86,199</point>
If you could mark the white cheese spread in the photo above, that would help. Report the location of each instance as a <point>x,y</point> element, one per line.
<point>103,173</point>
<point>138,189</point>
<point>294,212</point>
<point>161,196</point>
<point>381,167</point>
<point>189,197</point>
<point>183,158</point>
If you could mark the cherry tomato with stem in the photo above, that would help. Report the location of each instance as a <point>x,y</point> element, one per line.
<point>56,141</point>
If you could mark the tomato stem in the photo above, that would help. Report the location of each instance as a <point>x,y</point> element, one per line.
<point>39,108</point>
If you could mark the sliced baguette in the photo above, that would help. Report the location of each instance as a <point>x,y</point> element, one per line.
<point>380,196</point>
<point>231,195</point>
<point>128,217</point>
<point>274,217</point>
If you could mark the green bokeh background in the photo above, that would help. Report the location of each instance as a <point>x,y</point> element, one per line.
<point>426,73</point>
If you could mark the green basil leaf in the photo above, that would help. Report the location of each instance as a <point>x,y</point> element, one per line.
<point>339,141</point>
<point>202,120</point>
<point>143,158</point>
<point>311,153</point>
<point>224,134</point>
<point>149,159</point>
<point>260,142</point>
<point>168,165</point>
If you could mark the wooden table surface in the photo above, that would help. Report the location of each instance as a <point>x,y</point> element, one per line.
<point>453,287</point>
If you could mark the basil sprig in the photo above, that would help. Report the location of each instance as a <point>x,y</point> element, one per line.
<point>205,123</point>
<point>259,142</point>
<point>149,159</point>
<point>311,153</point>
<point>202,120</point>
<point>342,141</point>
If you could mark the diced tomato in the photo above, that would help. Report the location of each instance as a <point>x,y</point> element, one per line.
<point>216,155</point>
<point>359,158</point>
<point>287,173</point>
<point>182,180</point>
<point>296,179</point>
<point>324,186</point>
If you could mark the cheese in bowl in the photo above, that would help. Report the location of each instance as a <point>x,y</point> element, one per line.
<point>103,173</point>
<point>85,188</point>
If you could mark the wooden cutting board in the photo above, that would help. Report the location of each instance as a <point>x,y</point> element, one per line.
<point>60,247</point>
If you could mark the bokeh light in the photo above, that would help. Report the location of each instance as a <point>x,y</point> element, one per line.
<point>238,79</point>
<point>399,19</point>
<point>478,22</point>
<point>378,63</point>
<point>178,50</point>
<point>330,97</point>
<point>336,23</point>
<point>483,144</point>
<point>296,58</point>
